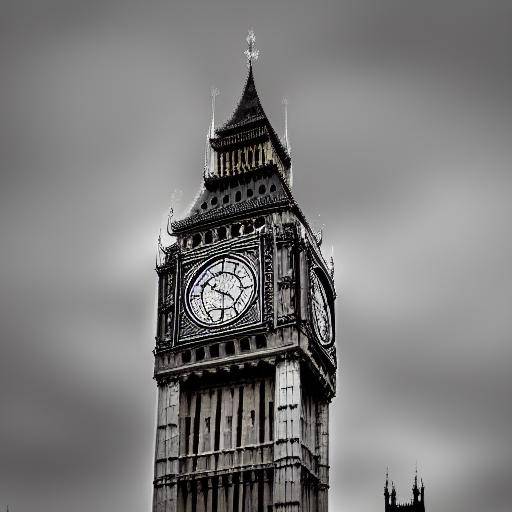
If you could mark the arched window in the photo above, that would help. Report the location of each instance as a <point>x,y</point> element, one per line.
<point>222,233</point>
<point>196,240</point>
<point>229,347</point>
<point>261,341</point>
<point>186,356</point>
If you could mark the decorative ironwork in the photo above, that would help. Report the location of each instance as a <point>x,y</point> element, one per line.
<point>251,53</point>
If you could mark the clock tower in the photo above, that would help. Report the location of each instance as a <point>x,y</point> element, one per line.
<point>245,357</point>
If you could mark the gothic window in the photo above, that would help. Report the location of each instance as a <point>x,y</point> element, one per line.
<point>249,192</point>
<point>200,354</point>
<point>214,350</point>
<point>272,188</point>
<point>261,341</point>
<point>238,196</point>
<point>214,200</point>
<point>225,199</point>
<point>208,237</point>
<point>204,206</point>
<point>186,356</point>
<point>262,189</point>
<point>248,228</point>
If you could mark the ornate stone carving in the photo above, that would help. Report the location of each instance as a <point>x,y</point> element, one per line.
<point>268,278</point>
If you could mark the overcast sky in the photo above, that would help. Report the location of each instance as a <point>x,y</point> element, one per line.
<point>400,121</point>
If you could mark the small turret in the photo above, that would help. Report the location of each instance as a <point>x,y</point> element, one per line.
<point>386,492</point>
<point>417,504</point>
<point>415,490</point>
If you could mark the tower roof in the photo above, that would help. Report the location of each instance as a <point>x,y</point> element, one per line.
<point>249,115</point>
<point>247,142</point>
<point>248,110</point>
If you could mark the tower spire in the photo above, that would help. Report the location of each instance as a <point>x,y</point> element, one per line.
<point>415,490</point>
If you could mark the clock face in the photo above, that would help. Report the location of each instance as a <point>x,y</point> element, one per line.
<point>320,311</point>
<point>221,291</point>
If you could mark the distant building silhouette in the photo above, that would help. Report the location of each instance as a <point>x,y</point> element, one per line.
<point>417,504</point>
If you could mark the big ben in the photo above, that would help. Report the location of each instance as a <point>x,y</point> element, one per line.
<point>245,357</point>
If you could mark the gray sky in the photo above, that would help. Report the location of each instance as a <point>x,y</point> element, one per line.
<point>400,120</point>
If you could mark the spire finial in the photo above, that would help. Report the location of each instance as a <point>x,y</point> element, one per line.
<point>251,53</point>
<point>209,156</point>
<point>169,221</point>
<point>286,141</point>
<point>159,250</point>
<point>214,92</point>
